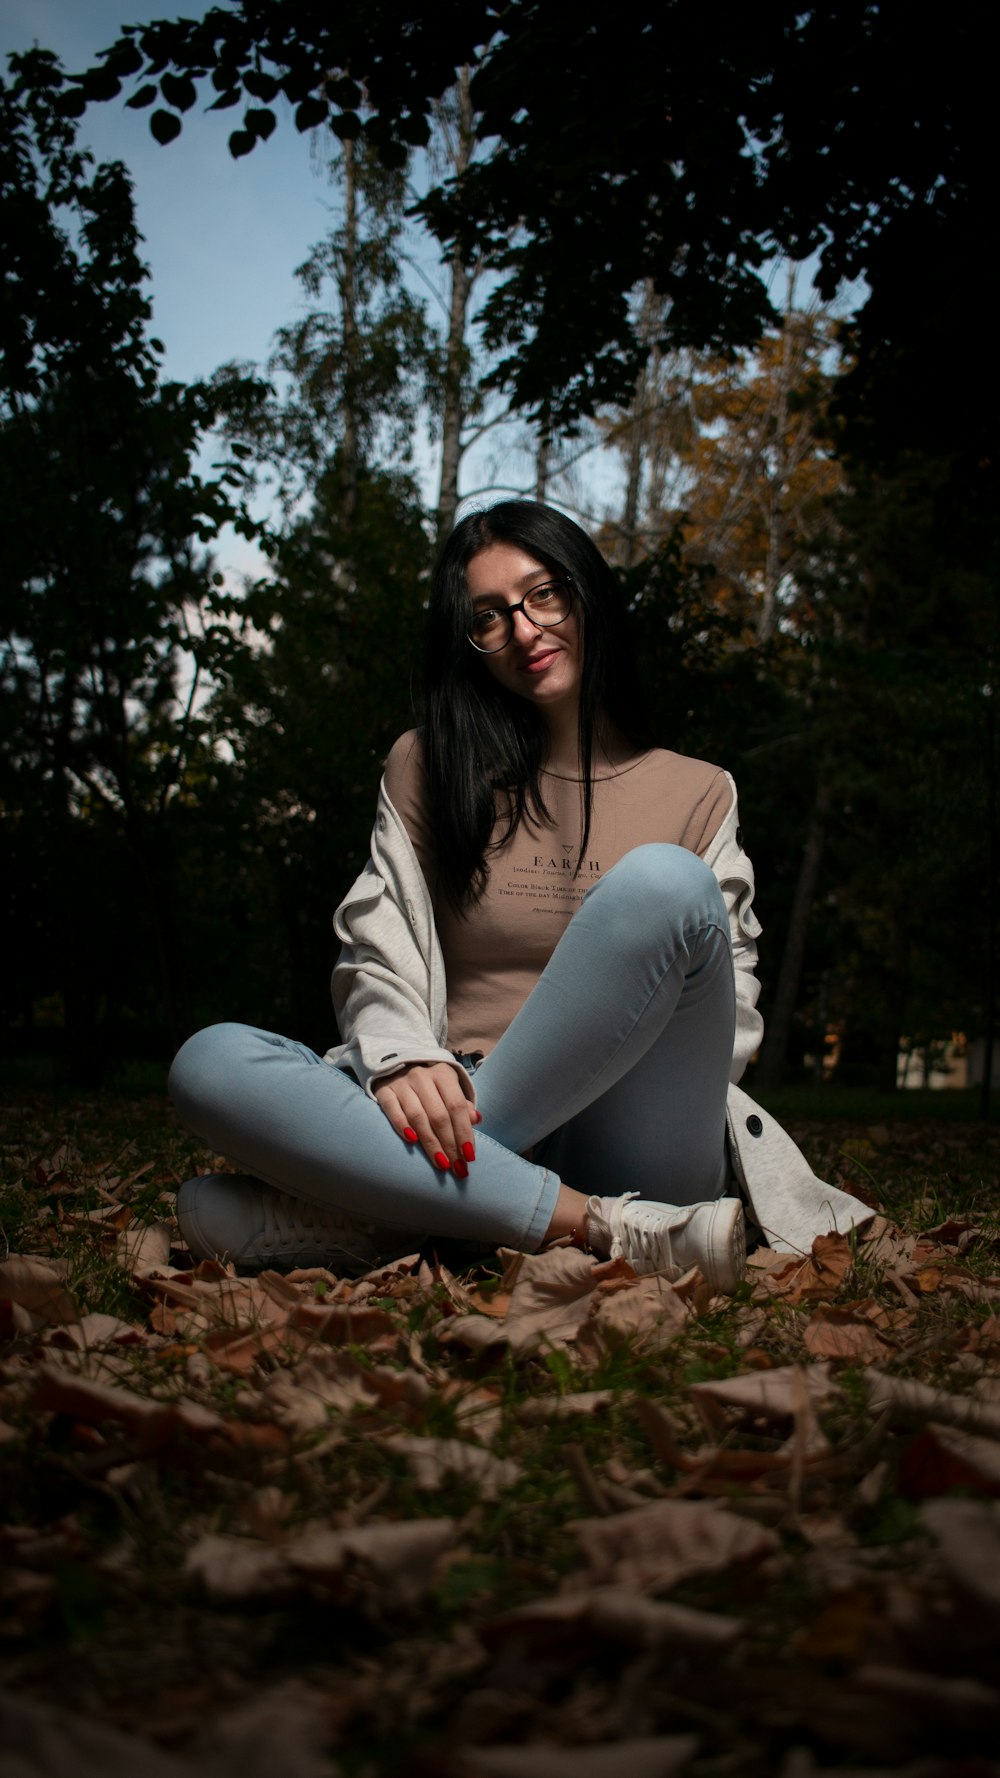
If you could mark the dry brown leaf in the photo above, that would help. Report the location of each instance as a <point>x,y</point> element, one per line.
<point>539,1409</point>
<point>302,1400</point>
<point>238,1352</point>
<point>844,1333</point>
<point>401,1558</point>
<point>906,1399</point>
<point>653,1756</point>
<point>282,1730</point>
<point>36,1287</point>
<point>151,1423</point>
<point>144,1248</point>
<point>434,1460</point>
<point>95,1331</point>
<point>815,1278</point>
<point>615,1614</point>
<point>655,1547</point>
<point>40,1741</point>
<point>479,1412</point>
<point>649,1312</point>
<point>944,1457</point>
<point>761,1395</point>
<point>968,1703</point>
<point>552,1296</point>
<point>341,1324</point>
<point>404,1556</point>
<point>968,1535</point>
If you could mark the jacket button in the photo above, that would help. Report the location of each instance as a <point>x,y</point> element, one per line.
<point>755,1126</point>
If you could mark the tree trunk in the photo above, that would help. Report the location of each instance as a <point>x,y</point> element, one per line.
<point>775,493</point>
<point>349,306</point>
<point>542,459</point>
<point>453,413</point>
<point>774,1052</point>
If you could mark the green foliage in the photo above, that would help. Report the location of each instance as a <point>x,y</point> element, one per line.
<point>103,522</point>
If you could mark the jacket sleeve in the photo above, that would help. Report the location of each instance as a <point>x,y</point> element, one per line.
<point>726,857</point>
<point>388,982</point>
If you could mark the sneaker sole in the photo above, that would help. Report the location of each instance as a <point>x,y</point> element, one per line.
<point>728,1247</point>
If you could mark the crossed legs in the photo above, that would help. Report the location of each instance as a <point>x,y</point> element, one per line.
<point>614,1073</point>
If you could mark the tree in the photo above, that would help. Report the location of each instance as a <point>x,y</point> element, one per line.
<point>678,152</point>
<point>103,522</point>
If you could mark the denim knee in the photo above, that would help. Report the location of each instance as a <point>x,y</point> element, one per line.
<point>202,1064</point>
<point>655,882</point>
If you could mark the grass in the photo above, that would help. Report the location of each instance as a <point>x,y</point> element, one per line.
<point>102,1618</point>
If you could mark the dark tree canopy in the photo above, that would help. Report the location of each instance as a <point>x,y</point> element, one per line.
<point>663,143</point>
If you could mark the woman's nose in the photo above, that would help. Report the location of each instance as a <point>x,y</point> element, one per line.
<point>524,630</point>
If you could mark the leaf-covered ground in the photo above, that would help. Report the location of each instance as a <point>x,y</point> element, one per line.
<point>532,1516</point>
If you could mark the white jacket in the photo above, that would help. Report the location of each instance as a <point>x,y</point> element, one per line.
<point>390,997</point>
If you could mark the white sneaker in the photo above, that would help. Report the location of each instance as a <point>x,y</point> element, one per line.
<point>671,1238</point>
<point>230,1216</point>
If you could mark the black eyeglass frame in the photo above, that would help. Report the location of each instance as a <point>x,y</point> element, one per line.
<point>510,612</point>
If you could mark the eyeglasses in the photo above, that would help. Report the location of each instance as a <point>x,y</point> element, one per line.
<point>492,626</point>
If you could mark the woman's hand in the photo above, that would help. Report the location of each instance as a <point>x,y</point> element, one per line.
<point>425,1103</point>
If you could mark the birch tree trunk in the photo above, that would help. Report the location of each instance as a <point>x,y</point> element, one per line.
<point>349,310</point>
<point>453,412</point>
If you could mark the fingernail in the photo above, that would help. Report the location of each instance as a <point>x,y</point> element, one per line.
<point>411,1135</point>
<point>461,1170</point>
<point>442,1161</point>
<point>477,1117</point>
<point>468,1151</point>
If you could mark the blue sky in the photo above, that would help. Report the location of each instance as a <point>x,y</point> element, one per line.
<point>222,237</point>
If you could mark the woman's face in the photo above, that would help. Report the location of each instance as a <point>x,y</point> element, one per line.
<point>542,665</point>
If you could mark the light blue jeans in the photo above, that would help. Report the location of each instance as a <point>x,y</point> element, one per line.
<point>613,1073</point>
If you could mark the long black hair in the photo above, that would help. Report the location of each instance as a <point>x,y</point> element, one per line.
<point>479,738</point>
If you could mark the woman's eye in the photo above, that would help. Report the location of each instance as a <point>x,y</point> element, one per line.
<point>541,596</point>
<point>484,621</point>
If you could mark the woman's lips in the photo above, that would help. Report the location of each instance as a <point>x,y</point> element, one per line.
<point>537,663</point>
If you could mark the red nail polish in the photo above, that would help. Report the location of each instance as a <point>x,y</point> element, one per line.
<point>477,1117</point>
<point>442,1161</point>
<point>461,1170</point>
<point>411,1135</point>
<point>468,1151</point>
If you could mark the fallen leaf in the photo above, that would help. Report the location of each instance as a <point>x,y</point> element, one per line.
<point>943,1457</point>
<point>303,1399</point>
<point>654,1756</point>
<point>40,1741</point>
<point>653,1548</point>
<point>144,1248</point>
<point>968,1536</point>
<point>539,1409</point>
<point>844,1333</point>
<point>815,1278</point>
<point>399,1560</point>
<point>649,1314</point>
<point>907,1399</point>
<point>614,1613</point>
<point>772,1395</point>
<point>434,1460</point>
<point>37,1287</point>
<point>152,1424</point>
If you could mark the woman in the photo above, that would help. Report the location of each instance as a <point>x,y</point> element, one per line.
<point>546,985</point>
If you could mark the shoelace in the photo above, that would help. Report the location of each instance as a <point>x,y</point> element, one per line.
<point>289,1222</point>
<point>653,1237</point>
